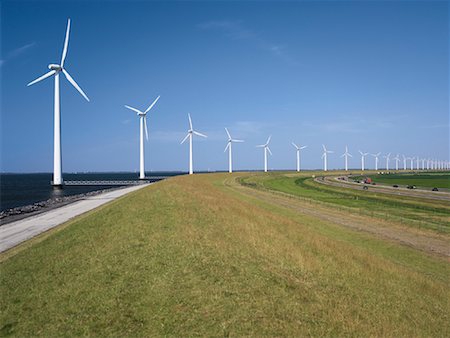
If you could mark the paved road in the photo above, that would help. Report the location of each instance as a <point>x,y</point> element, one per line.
<point>14,233</point>
<point>433,195</point>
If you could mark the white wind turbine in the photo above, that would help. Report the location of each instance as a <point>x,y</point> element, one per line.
<point>404,162</point>
<point>387,157</point>
<point>346,155</point>
<point>324,156</point>
<point>396,158</point>
<point>142,127</point>
<point>230,141</point>
<point>266,149</point>
<point>417,163</point>
<point>55,70</point>
<point>298,154</point>
<point>423,164</point>
<point>363,155</point>
<point>412,162</point>
<point>377,155</point>
<point>189,135</point>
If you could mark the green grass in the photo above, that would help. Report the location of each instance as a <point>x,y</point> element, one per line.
<point>411,211</point>
<point>419,180</point>
<point>193,256</point>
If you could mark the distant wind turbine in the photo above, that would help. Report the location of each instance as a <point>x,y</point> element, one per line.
<point>266,149</point>
<point>229,143</point>
<point>396,158</point>
<point>298,154</point>
<point>189,135</point>
<point>412,162</point>
<point>363,155</point>
<point>377,155</point>
<point>142,127</point>
<point>55,70</point>
<point>404,162</point>
<point>324,156</point>
<point>346,155</point>
<point>417,163</point>
<point>387,157</point>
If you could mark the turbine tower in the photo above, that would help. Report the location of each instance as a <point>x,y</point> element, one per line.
<point>404,162</point>
<point>346,155</point>
<point>55,70</point>
<point>230,141</point>
<point>142,127</point>
<point>377,155</point>
<point>387,160</point>
<point>417,163</point>
<point>298,154</point>
<point>266,149</point>
<point>363,155</point>
<point>189,135</point>
<point>412,162</point>
<point>324,156</point>
<point>396,158</point>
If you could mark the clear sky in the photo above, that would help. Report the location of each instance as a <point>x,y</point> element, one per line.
<point>373,75</point>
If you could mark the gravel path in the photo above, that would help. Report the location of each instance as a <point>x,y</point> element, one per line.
<point>14,233</point>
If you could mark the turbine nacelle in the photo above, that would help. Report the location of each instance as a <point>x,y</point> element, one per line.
<point>56,67</point>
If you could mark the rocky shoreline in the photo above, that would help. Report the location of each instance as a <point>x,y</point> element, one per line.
<point>18,213</point>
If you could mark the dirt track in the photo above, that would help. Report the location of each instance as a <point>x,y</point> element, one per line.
<point>422,240</point>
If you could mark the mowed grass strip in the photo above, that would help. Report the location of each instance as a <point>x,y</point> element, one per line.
<point>187,257</point>
<point>414,212</point>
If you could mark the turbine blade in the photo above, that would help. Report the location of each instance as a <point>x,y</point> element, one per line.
<point>151,106</point>
<point>185,138</point>
<point>268,149</point>
<point>190,121</point>
<point>72,81</point>
<point>350,155</point>
<point>46,75</point>
<point>134,109</point>
<point>199,134</point>
<point>66,44</point>
<point>260,146</point>
<point>145,127</point>
<point>228,145</point>
<point>228,133</point>
<point>268,140</point>
<point>233,140</point>
<point>323,146</point>
<point>303,147</point>
<point>294,145</point>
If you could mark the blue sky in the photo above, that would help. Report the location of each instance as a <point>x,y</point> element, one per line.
<point>373,75</point>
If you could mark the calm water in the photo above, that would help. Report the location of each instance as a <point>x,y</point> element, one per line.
<point>23,189</point>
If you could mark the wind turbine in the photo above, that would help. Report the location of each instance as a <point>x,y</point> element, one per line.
<point>266,149</point>
<point>363,155</point>
<point>189,135</point>
<point>298,154</point>
<point>387,160</point>
<point>346,155</point>
<point>55,70</point>
<point>142,126</point>
<point>423,164</point>
<point>411,159</point>
<point>396,158</point>
<point>417,163</point>
<point>230,141</point>
<point>324,156</point>
<point>377,155</point>
<point>404,162</point>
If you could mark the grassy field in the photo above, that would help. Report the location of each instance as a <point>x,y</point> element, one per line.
<point>198,255</point>
<point>419,180</point>
<point>432,215</point>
